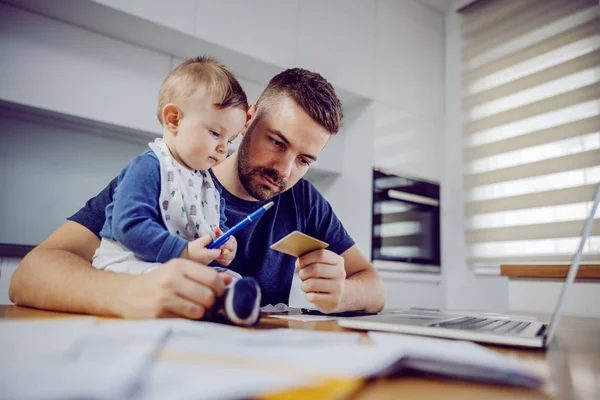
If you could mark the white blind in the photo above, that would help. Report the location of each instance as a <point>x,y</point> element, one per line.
<point>532,128</point>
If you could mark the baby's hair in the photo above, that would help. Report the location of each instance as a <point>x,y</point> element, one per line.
<point>189,76</point>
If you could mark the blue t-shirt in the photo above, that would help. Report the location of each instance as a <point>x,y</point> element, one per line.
<point>133,217</point>
<point>300,208</point>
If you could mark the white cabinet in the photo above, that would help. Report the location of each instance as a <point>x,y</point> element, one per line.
<point>176,14</point>
<point>409,57</point>
<point>59,67</point>
<point>408,144</point>
<point>337,39</point>
<point>264,29</point>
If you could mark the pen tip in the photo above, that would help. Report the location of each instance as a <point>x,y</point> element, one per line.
<point>268,205</point>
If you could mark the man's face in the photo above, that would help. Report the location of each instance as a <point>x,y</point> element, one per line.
<point>278,149</point>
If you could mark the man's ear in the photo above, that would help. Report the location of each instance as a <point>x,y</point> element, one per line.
<point>250,115</point>
<point>171,115</point>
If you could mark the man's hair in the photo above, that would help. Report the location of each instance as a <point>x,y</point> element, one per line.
<point>310,91</point>
<point>206,71</point>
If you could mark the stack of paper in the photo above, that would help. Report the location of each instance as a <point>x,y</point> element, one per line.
<point>208,361</point>
<point>179,359</point>
<point>455,359</point>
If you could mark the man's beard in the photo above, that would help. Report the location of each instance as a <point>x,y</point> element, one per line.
<point>250,176</point>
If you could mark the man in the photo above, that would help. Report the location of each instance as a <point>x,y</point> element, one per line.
<point>284,134</point>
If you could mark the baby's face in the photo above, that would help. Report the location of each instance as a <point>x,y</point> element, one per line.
<point>205,131</point>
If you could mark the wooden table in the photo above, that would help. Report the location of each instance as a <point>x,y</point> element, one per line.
<point>571,365</point>
<point>586,272</point>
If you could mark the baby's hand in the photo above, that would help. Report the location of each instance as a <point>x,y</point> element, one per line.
<point>228,249</point>
<point>196,250</point>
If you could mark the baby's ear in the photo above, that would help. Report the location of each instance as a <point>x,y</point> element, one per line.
<point>171,115</point>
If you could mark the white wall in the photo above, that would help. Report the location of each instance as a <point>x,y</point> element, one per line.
<point>410,89</point>
<point>409,112</point>
<point>542,297</point>
<point>405,290</point>
<point>463,289</point>
<point>350,193</point>
<point>8,265</point>
<point>53,172</point>
<point>459,282</point>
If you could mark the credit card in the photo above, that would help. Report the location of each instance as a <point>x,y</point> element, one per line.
<point>297,244</point>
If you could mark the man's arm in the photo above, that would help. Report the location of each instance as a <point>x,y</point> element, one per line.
<point>335,283</point>
<point>332,282</point>
<point>363,289</point>
<point>58,275</point>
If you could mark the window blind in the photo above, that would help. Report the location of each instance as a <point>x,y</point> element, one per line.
<point>531,103</point>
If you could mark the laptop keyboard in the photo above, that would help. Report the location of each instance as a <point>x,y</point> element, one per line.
<point>499,326</point>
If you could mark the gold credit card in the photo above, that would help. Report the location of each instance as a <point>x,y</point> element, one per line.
<point>297,244</point>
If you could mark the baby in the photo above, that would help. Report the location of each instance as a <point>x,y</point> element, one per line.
<point>165,204</point>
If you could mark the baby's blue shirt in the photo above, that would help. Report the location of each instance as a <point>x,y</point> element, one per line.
<point>133,217</point>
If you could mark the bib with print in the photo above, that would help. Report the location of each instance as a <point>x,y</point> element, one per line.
<point>189,202</point>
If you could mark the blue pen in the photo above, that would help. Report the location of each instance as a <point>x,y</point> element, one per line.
<point>218,242</point>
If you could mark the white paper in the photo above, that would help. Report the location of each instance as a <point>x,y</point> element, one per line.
<point>279,307</point>
<point>21,339</point>
<point>294,361</point>
<point>455,358</point>
<point>115,359</point>
<point>264,340</point>
<point>440,349</point>
<point>204,360</point>
<point>209,332</point>
<point>304,318</point>
<point>297,352</point>
<point>88,361</point>
<point>300,337</point>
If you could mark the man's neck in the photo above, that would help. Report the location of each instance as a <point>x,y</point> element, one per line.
<point>227,174</point>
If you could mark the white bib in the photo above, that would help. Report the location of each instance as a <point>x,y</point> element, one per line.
<point>189,202</point>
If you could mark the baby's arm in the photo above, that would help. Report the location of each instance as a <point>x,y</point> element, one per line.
<point>136,214</point>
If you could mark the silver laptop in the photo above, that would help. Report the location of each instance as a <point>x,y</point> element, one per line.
<point>484,328</point>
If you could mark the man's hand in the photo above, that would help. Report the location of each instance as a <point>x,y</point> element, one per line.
<point>228,250</point>
<point>179,288</point>
<point>323,277</point>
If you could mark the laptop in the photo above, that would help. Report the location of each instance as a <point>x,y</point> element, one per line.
<point>479,327</point>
